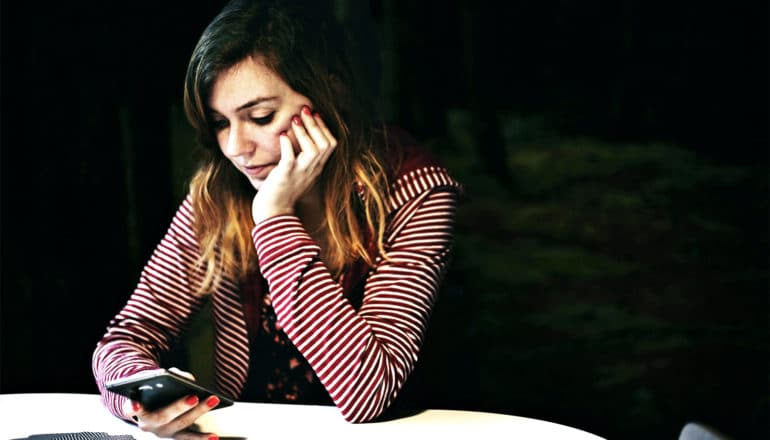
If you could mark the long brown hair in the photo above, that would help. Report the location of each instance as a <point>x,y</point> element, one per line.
<point>307,51</point>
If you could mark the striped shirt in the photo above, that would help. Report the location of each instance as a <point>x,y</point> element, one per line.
<point>362,356</point>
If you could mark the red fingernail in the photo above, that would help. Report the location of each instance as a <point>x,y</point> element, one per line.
<point>135,406</point>
<point>306,110</point>
<point>283,133</point>
<point>317,115</point>
<point>213,437</point>
<point>295,119</point>
<point>212,401</point>
<point>191,400</point>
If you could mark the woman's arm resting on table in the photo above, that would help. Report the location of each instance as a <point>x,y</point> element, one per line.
<point>362,357</point>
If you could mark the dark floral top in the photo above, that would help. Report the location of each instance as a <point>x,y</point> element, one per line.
<point>278,373</point>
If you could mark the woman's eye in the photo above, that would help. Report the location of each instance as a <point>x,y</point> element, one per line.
<point>219,125</point>
<point>264,120</point>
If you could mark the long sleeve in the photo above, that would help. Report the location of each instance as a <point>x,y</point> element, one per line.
<point>157,312</point>
<point>364,356</point>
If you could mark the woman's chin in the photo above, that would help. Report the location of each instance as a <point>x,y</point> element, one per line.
<point>256,182</point>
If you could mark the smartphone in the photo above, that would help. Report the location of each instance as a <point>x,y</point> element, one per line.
<point>158,388</point>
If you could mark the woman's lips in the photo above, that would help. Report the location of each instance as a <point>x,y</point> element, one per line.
<point>258,171</point>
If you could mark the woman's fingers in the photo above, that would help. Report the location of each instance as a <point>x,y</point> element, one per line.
<point>322,139</point>
<point>154,420</point>
<point>307,145</point>
<point>187,418</point>
<point>324,130</point>
<point>192,435</point>
<point>287,151</point>
<point>175,417</point>
<point>132,408</point>
<point>314,138</point>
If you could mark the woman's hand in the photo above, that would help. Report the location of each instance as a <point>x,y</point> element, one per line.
<point>173,420</point>
<point>295,175</point>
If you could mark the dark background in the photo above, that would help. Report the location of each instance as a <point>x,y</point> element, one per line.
<point>611,265</point>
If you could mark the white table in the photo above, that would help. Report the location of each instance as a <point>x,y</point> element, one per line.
<point>22,415</point>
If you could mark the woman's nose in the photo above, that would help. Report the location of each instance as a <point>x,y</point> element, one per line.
<point>238,142</point>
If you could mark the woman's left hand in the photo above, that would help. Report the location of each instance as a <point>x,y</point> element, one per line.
<point>295,175</point>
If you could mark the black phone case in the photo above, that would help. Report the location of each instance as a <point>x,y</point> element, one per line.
<point>160,390</point>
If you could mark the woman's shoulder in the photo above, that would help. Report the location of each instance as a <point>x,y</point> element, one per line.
<point>413,169</point>
<point>404,153</point>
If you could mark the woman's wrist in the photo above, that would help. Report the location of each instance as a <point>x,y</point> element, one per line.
<point>262,216</point>
<point>260,213</point>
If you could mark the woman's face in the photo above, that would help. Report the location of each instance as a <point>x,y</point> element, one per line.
<point>250,107</point>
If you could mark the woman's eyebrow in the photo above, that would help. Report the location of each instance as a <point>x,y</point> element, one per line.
<point>252,103</point>
<point>256,101</point>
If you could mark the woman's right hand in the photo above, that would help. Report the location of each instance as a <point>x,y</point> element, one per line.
<point>173,420</point>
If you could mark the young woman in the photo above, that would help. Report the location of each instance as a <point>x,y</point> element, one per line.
<point>320,235</point>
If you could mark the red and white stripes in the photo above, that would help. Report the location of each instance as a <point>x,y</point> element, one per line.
<point>362,357</point>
